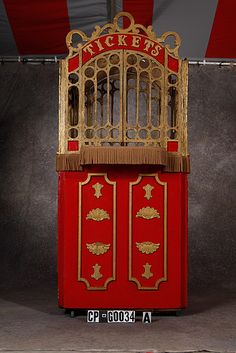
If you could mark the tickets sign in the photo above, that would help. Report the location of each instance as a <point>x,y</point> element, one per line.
<point>135,42</point>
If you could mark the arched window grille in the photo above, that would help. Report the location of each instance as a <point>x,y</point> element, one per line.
<point>123,98</point>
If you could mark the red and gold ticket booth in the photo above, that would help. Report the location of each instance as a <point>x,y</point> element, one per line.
<point>122,166</point>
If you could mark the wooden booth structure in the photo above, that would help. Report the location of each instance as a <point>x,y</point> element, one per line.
<point>122,165</point>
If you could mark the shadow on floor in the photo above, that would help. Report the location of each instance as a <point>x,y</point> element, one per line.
<point>43,297</point>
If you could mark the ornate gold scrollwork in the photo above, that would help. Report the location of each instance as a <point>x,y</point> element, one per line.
<point>147,247</point>
<point>97,187</point>
<point>111,28</point>
<point>98,248</point>
<point>97,274</point>
<point>135,28</point>
<point>147,271</point>
<point>148,189</point>
<point>148,213</point>
<point>97,214</point>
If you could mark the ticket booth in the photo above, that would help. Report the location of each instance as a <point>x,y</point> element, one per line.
<point>122,166</point>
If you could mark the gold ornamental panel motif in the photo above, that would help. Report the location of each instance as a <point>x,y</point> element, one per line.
<point>147,271</point>
<point>148,233</point>
<point>97,187</point>
<point>98,248</point>
<point>97,214</point>
<point>97,274</point>
<point>148,213</point>
<point>97,231</point>
<point>148,191</point>
<point>147,247</point>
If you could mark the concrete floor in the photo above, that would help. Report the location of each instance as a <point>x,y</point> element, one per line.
<point>30,321</point>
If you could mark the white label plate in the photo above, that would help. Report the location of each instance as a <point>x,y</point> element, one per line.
<point>111,316</point>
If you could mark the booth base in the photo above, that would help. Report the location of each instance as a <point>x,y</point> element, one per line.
<point>122,240</point>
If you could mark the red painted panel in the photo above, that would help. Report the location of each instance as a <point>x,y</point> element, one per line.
<point>185,239</point>
<point>173,64</point>
<point>73,145</point>
<point>26,18</point>
<point>222,42</point>
<point>61,238</point>
<point>171,294</point>
<point>172,146</point>
<point>73,63</point>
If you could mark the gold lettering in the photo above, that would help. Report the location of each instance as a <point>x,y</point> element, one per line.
<point>156,50</point>
<point>136,41</point>
<point>121,40</point>
<point>108,41</point>
<point>148,44</point>
<point>100,47</point>
<point>88,48</point>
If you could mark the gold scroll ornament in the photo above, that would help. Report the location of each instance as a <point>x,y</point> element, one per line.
<point>148,191</point>
<point>97,187</point>
<point>96,274</point>
<point>98,248</point>
<point>147,247</point>
<point>147,271</point>
<point>147,213</point>
<point>97,214</point>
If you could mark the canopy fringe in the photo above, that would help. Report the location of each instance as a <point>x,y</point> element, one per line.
<point>171,161</point>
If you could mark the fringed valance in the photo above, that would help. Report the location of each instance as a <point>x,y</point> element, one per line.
<point>170,161</point>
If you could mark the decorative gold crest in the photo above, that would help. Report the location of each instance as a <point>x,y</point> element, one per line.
<point>147,213</point>
<point>97,187</point>
<point>147,247</point>
<point>147,271</point>
<point>97,274</point>
<point>98,248</point>
<point>148,191</point>
<point>97,214</point>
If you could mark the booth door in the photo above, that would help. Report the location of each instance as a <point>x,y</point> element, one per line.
<point>122,239</point>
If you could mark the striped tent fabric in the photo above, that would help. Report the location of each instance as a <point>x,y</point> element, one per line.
<point>39,27</point>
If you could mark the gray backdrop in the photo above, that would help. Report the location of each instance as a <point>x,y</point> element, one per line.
<point>28,180</point>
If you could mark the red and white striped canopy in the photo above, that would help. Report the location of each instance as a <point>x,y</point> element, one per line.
<point>39,27</point>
